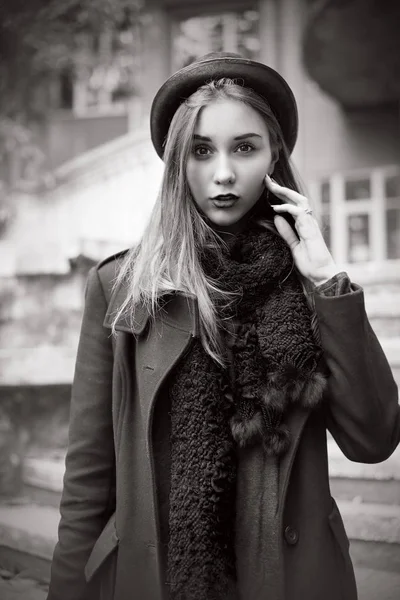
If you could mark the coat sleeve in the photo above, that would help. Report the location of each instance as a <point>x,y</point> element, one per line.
<point>362,409</point>
<point>89,475</point>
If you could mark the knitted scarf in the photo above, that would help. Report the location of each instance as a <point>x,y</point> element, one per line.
<point>274,356</point>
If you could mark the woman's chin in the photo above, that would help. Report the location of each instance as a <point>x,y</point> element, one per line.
<point>228,221</point>
<point>226,224</point>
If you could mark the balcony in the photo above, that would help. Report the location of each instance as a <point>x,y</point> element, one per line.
<point>351,50</point>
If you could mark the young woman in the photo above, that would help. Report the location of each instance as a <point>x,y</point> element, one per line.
<point>213,357</point>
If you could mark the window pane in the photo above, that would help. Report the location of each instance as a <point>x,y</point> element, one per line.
<point>359,249</point>
<point>195,37</point>
<point>357,189</point>
<point>247,31</point>
<point>326,228</point>
<point>393,232</point>
<point>232,32</point>
<point>66,89</point>
<point>392,186</point>
<point>111,76</point>
<point>325,193</point>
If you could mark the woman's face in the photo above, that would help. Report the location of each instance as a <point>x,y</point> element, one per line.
<point>230,157</point>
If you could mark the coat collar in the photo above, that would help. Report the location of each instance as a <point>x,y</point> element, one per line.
<point>179,310</point>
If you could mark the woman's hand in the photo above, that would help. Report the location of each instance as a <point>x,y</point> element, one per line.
<point>310,253</point>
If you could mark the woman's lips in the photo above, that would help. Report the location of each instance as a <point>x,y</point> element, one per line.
<point>225,201</point>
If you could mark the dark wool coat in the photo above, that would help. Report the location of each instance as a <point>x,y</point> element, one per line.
<point>109,535</point>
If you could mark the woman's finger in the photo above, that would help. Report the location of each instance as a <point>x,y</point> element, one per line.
<point>290,208</point>
<point>285,193</point>
<point>306,225</point>
<point>286,231</point>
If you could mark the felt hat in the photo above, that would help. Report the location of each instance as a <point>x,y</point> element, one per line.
<point>262,79</point>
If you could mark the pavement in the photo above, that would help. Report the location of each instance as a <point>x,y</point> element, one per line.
<point>376,585</point>
<point>372,585</point>
<point>29,528</point>
<point>47,472</point>
<point>18,587</point>
<point>32,528</point>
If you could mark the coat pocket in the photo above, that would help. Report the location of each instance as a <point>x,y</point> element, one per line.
<point>101,564</point>
<point>346,571</point>
<point>338,530</point>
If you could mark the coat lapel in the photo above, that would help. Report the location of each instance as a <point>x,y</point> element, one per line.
<point>155,356</point>
<point>135,325</point>
<point>160,342</point>
<point>179,311</point>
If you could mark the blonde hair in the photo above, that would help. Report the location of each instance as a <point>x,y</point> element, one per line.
<point>167,256</point>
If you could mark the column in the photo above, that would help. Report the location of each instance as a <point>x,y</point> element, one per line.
<point>290,29</point>
<point>155,55</point>
<point>269,32</point>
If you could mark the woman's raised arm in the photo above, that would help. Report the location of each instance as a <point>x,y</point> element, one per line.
<point>363,412</point>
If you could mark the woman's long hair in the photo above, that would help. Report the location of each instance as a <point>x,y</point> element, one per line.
<point>167,257</point>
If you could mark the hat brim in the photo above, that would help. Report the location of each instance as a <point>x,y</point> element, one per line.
<point>262,79</point>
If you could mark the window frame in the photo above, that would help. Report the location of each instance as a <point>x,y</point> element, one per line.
<point>339,209</point>
<point>191,12</point>
<point>80,91</point>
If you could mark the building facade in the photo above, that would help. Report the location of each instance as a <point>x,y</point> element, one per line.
<point>347,159</point>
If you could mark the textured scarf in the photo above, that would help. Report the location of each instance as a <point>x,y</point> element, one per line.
<point>274,357</point>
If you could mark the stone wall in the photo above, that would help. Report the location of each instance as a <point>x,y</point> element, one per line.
<point>40,318</point>
<point>39,327</point>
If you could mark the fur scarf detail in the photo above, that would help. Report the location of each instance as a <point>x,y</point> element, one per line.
<point>273,365</point>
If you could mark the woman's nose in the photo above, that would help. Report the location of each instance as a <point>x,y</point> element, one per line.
<point>224,172</point>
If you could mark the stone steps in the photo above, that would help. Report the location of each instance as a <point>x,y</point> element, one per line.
<point>363,490</point>
<point>45,473</point>
<point>368,497</point>
<point>364,483</point>
<point>350,481</point>
<point>391,347</point>
<point>28,534</point>
<point>371,522</point>
<point>29,528</point>
<point>371,483</point>
<point>19,586</point>
<point>342,468</point>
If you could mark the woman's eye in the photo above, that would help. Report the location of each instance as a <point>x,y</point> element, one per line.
<point>245,147</point>
<point>201,151</point>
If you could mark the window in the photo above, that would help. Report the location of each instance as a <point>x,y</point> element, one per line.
<point>360,215</point>
<point>325,211</point>
<point>392,200</point>
<point>357,189</point>
<point>358,238</point>
<point>108,72</point>
<point>66,97</point>
<point>229,31</point>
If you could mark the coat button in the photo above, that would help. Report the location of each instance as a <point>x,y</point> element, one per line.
<point>291,535</point>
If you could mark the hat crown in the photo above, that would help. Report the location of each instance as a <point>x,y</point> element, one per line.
<point>216,55</point>
<point>262,79</point>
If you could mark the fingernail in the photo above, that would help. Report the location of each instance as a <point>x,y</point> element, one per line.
<point>274,206</point>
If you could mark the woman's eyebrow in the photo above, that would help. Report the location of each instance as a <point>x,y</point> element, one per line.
<point>243,136</point>
<point>247,135</point>
<point>204,138</point>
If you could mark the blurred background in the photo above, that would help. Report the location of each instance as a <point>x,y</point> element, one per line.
<point>78,178</point>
